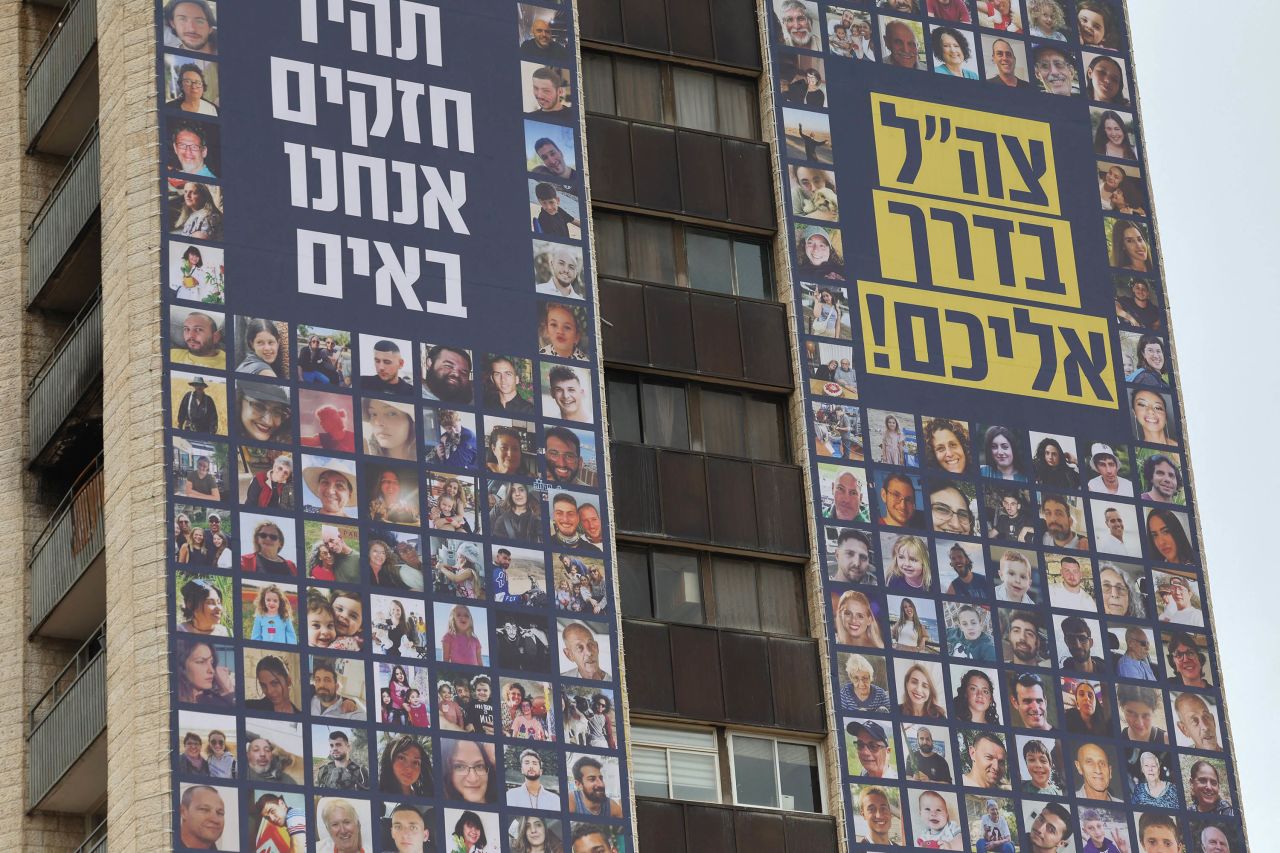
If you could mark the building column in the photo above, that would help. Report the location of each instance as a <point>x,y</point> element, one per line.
<point>139,812</point>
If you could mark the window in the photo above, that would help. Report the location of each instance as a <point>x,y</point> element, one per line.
<point>664,415</point>
<point>692,416</point>
<point>666,93</point>
<point>624,409</point>
<point>684,764</point>
<point>758,596</point>
<point>775,774</point>
<point>665,252</point>
<point>695,99</point>
<point>677,764</point>
<point>699,588</point>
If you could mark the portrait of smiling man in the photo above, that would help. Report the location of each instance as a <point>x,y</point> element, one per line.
<point>191,25</point>
<point>1056,70</point>
<point>1007,66</point>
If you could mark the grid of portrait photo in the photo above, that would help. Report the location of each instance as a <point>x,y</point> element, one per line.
<point>1019,632</point>
<point>392,614</point>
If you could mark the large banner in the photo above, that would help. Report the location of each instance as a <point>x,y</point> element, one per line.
<point>394,626</point>
<point>1021,651</point>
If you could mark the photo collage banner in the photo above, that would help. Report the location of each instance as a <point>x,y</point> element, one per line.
<point>393,622</point>
<point>1022,657</point>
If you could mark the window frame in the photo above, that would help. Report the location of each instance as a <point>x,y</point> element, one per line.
<point>693,414</point>
<point>680,256</point>
<point>667,91</point>
<point>816,746</point>
<point>637,740</point>
<point>724,737</point>
<point>707,588</point>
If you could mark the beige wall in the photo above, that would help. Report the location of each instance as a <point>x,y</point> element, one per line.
<point>139,816</point>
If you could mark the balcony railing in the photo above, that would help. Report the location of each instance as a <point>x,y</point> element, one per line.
<point>62,219</point>
<point>678,827</point>
<point>692,331</point>
<point>70,543</point>
<point>96,842</point>
<point>675,169</point>
<point>720,500</point>
<point>707,674</point>
<point>723,31</point>
<point>71,370</point>
<point>58,62</point>
<point>67,718</point>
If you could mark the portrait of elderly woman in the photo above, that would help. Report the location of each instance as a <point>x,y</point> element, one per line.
<point>264,546</point>
<point>345,826</point>
<point>195,210</point>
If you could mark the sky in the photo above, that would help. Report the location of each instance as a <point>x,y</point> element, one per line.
<point>1212,124</point>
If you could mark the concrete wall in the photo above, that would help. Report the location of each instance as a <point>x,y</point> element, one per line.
<point>140,814</point>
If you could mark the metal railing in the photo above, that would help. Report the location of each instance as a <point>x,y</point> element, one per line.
<point>67,718</point>
<point>60,56</point>
<point>70,371</point>
<point>70,542</point>
<point>96,842</point>
<point>71,204</point>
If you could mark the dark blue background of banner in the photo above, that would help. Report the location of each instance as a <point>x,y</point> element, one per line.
<point>850,84</point>
<point>497,279</point>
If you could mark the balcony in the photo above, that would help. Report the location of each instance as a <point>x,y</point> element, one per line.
<point>96,841</point>
<point>723,31</point>
<point>718,500</point>
<point>62,82</point>
<point>68,574</point>
<point>688,172</point>
<point>680,671</point>
<point>60,401</point>
<point>63,241</point>
<point>679,827</point>
<point>66,753</point>
<point>690,331</point>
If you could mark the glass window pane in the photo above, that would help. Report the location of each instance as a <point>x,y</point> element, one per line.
<point>638,87</point>
<point>686,738</point>
<point>649,770</point>
<point>693,777</point>
<point>651,250</point>
<point>764,430</point>
<point>611,244</point>
<point>666,418</point>
<point>695,99</point>
<point>737,113</point>
<point>798,772</point>
<point>735,586</point>
<point>754,773</point>
<point>633,574</point>
<point>710,261</point>
<point>750,268</point>
<point>722,417</point>
<point>783,588</point>
<point>624,409</point>
<point>677,587</point>
<point>597,83</point>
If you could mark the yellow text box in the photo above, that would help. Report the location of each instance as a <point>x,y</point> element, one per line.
<point>967,247</point>
<point>965,154</point>
<point>971,342</point>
